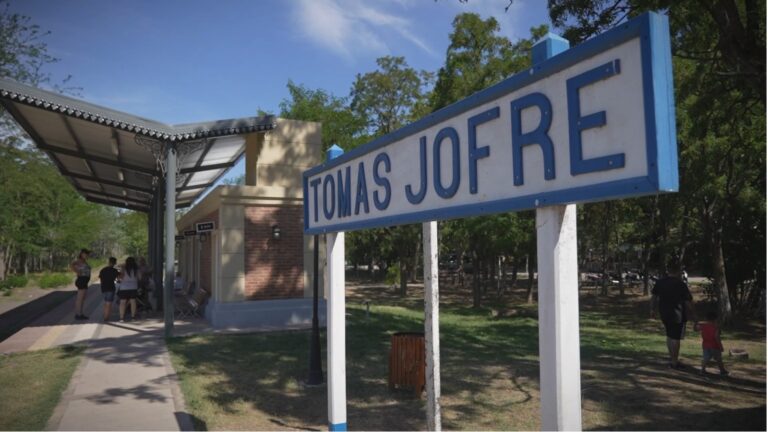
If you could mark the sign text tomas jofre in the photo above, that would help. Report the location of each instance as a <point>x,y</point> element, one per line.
<point>593,123</point>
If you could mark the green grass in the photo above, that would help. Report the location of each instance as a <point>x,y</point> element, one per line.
<point>31,385</point>
<point>53,280</point>
<point>489,373</point>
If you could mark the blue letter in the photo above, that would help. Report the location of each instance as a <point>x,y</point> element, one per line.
<point>476,152</point>
<point>447,132</point>
<point>345,196</point>
<point>577,123</point>
<point>328,180</point>
<point>362,190</point>
<point>419,197</point>
<point>537,136</point>
<point>314,184</point>
<point>382,204</point>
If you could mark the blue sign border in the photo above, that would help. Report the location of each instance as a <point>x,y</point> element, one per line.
<point>659,107</point>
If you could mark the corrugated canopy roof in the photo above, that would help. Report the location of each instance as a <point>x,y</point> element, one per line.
<point>100,151</point>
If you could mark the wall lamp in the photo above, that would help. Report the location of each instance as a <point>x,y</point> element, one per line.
<point>275,232</point>
<point>203,237</point>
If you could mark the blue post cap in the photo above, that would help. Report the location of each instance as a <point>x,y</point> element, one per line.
<point>548,47</point>
<point>334,152</point>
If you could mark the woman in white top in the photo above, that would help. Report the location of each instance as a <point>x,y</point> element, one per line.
<point>129,287</point>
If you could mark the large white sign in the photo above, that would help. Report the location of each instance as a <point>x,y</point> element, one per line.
<point>593,123</point>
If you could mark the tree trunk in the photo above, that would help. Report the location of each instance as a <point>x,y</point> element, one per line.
<point>476,294</point>
<point>415,263</point>
<point>621,279</point>
<point>403,278</point>
<point>604,246</point>
<point>529,295</point>
<point>646,268</point>
<point>9,262</point>
<point>718,276</point>
<point>3,267</point>
<point>501,276</point>
<point>514,275</point>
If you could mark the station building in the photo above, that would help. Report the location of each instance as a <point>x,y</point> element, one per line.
<point>256,261</point>
<point>242,244</point>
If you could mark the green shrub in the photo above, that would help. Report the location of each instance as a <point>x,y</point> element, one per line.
<point>393,275</point>
<point>17,281</point>
<point>52,280</point>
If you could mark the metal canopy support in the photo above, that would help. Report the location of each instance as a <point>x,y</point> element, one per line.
<point>170,233</point>
<point>157,263</point>
<point>151,235</point>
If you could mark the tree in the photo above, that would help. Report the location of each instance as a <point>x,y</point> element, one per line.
<point>133,233</point>
<point>340,125</point>
<point>719,69</point>
<point>42,219</point>
<point>387,99</point>
<point>728,36</point>
<point>477,58</point>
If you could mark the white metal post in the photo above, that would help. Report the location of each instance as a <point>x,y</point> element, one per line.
<point>337,359</point>
<point>559,348</point>
<point>432,324</point>
<point>336,320</point>
<point>170,236</point>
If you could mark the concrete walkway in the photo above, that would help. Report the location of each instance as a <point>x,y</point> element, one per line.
<point>125,380</point>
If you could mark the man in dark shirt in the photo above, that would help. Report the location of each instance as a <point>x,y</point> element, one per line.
<point>107,276</point>
<point>674,302</point>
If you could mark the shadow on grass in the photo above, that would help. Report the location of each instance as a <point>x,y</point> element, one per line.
<point>489,371</point>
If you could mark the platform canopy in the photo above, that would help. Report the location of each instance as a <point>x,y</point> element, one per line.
<point>111,157</point>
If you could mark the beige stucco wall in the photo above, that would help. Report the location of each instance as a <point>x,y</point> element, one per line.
<point>279,157</point>
<point>232,258</point>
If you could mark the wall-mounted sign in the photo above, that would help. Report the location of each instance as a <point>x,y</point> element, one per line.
<point>205,226</point>
<point>190,233</point>
<point>596,122</point>
<point>179,237</point>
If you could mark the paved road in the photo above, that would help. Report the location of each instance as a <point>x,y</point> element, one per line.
<point>125,380</point>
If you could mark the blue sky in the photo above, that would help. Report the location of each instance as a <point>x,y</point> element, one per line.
<point>181,61</point>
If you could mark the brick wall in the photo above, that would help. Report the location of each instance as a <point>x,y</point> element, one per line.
<point>274,268</point>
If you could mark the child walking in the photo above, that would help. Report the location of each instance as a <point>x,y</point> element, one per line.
<point>711,344</point>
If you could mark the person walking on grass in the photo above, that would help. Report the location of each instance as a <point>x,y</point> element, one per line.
<point>107,277</point>
<point>675,305</point>
<point>129,287</point>
<point>83,277</point>
<point>712,346</point>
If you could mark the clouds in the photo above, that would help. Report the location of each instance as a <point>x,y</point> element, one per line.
<point>350,27</point>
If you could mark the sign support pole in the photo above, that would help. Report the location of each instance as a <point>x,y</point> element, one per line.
<point>559,349</point>
<point>432,325</point>
<point>336,317</point>
<point>170,236</point>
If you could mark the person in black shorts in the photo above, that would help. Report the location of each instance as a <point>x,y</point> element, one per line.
<point>83,271</point>
<point>675,305</point>
<point>107,276</point>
